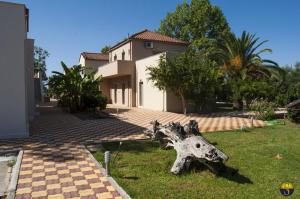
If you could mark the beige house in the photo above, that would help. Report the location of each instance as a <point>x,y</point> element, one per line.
<point>17,102</point>
<point>92,60</point>
<point>125,76</point>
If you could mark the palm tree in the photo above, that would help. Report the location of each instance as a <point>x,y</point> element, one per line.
<point>241,59</point>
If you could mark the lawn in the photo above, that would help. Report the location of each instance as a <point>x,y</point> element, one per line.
<point>142,168</point>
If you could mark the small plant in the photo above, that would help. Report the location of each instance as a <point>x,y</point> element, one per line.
<point>263,109</point>
<point>11,163</point>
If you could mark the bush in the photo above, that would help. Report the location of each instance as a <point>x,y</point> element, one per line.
<point>294,115</point>
<point>263,109</point>
<point>93,102</point>
<point>76,92</point>
<point>288,95</point>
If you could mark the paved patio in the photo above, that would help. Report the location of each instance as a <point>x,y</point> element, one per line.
<point>55,165</point>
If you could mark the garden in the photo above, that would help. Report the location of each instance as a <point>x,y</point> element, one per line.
<point>260,160</point>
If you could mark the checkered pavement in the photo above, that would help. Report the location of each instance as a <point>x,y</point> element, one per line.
<point>55,164</point>
<point>207,122</point>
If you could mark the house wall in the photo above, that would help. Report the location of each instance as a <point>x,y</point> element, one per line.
<point>174,103</point>
<point>139,51</point>
<point>153,98</point>
<point>124,48</point>
<point>29,63</point>
<point>91,64</point>
<point>135,50</point>
<point>14,112</point>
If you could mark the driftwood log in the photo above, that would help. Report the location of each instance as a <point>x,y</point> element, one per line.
<point>189,144</point>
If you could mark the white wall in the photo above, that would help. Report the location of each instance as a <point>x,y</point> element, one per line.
<point>153,98</point>
<point>13,103</point>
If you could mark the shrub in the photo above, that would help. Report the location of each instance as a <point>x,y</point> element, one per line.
<point>93,102</point>
<point>263,109</point>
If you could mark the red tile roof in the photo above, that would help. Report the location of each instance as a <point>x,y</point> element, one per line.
<point>151,36</point>
<point>95,56</point>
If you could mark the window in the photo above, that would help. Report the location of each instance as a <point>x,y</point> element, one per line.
<point>123,55</point>
<point>123,93</point>
<point>115,57</point>
<point>115,93</point>
<point>141,101</point>
<point>148,44</point>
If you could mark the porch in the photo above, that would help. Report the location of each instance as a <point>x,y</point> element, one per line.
<point>118,83</point>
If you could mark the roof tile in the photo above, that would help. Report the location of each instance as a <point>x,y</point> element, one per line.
<point>148,35</point>
<point>95,56</point>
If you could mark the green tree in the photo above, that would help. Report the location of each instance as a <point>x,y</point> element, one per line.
<point>40,56</point>
<point>187,76</point>
<point>105,49</point>
<point>74,90</point>
<point>241,61</point>
<point>289,89</point>
<point>198,23</point>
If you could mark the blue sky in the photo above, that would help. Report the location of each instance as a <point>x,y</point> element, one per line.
<point>67,27</point>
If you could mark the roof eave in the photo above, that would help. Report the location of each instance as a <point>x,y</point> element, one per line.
<point>120,44</point>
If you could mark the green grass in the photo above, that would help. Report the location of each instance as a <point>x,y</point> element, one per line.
<point>142,168</point>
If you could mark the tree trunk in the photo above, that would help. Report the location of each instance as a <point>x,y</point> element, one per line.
<point>237,105</point>
<point>183,104</point>
<point>188,143</point>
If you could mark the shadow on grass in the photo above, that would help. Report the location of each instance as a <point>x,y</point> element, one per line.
<point>234,175</point>
<point>130,178</point>
<point>131,146</point>
<point>223,171</point>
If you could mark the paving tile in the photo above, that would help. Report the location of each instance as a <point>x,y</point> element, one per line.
<point>55,165</point>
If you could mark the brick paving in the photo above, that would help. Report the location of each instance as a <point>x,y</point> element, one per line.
<point>207,122</point>
<point>55,165</point>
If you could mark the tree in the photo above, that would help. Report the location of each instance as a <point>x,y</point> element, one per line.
<point>76,91</point>
<point>105,49</point>
<point>198,23</point>
<point>40,56</point>
<point>241,60</point>
<point>187,76</point>
<point>289,89</point>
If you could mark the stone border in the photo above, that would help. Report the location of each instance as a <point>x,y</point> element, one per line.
<point>121,191</point>
<point>13,181</point>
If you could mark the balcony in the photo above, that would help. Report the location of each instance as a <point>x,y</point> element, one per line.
<point>116,68</point>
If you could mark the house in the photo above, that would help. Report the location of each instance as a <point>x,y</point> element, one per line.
<point>125,76</point>
<point>17,102</point>
<point>92,61</point>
